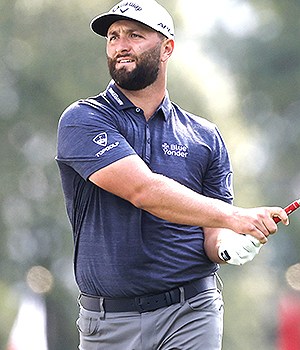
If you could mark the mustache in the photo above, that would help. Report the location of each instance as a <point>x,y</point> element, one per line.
<point>119,56</point>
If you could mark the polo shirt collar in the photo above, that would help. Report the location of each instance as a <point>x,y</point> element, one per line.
<point>116,97</point>
<point>121,102</point>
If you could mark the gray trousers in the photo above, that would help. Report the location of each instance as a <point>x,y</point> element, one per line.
<point>196,324</point>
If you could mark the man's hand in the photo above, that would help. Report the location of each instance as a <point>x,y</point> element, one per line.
<point>237,249</point>
<point>257,222</point>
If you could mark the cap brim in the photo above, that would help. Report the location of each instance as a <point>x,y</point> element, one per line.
<point>101,24</point>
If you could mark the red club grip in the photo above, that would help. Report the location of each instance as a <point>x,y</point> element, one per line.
<point>289,209</point>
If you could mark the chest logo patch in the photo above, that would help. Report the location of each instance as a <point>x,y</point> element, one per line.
<point>173,150</point>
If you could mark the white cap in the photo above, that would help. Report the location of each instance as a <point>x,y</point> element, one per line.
<point>148,12</point>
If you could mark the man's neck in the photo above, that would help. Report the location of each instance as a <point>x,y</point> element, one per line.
<point>147,99</point>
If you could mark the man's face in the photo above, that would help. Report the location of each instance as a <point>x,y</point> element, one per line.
<point>133,54</point>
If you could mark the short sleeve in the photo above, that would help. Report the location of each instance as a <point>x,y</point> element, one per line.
<point>89,139</point>
<point>219,175</point>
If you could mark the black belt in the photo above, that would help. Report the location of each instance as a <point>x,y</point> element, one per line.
<point>148,302</point>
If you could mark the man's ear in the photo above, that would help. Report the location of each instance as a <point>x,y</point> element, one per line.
<point>167,49</point>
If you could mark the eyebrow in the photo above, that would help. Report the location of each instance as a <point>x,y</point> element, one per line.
<point>138,28</point>
<point>117,31</point>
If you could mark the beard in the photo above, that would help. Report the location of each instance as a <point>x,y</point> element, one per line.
<point>144,74</point>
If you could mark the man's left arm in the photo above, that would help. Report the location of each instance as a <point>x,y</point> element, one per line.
<point>223,245</point>
<point>212,240</point>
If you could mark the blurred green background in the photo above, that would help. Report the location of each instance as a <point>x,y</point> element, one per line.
<point>237,63</point>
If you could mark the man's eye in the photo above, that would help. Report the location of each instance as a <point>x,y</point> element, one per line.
<point>134,35</point>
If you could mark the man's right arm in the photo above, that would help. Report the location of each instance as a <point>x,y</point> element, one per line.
<point>131,179</point>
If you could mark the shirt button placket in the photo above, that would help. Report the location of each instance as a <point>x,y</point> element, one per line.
<point>148,145</point>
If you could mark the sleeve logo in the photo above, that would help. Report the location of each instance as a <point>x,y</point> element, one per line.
<point>101,139</point>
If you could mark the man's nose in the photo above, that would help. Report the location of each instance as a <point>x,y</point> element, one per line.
<point>123,45</point>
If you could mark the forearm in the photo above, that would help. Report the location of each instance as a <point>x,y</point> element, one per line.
<point>174,202</point>
<point>131,179</point>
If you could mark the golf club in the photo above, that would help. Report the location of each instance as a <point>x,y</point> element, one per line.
<point>289,209</point>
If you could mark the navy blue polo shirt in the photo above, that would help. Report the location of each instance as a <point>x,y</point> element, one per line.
<point>122,251</point>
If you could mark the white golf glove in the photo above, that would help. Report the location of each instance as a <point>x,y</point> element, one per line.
<point>237,249</point>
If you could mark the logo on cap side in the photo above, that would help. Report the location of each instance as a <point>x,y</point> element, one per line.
<point>165,27</point>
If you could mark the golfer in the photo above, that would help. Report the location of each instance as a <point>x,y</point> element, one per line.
<point>148,191</point>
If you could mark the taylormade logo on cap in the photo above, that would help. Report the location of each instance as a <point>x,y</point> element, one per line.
<point>148,12</point>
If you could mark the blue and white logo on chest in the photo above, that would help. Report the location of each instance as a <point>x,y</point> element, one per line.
<point>175,150</point>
